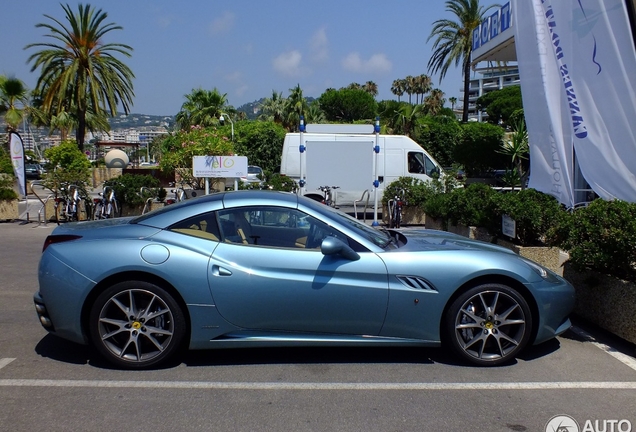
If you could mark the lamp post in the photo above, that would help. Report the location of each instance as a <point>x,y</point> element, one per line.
<point>222,120</point>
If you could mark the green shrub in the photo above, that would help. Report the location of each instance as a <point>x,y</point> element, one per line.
<point>6,167</point>
<point>6,187</point>
<point>415,191</point>
<point>601,237</point>
<point>279,183</point>
<point>472,206</point>
<point>128,187</point>
<point>534,213</point>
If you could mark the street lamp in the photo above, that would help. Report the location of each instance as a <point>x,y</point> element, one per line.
<point>222,121</point>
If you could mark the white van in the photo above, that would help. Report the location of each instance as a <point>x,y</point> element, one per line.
<point>347,162</point>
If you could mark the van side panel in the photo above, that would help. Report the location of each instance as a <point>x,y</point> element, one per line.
<point>345,164</point>
<point>346,160</point>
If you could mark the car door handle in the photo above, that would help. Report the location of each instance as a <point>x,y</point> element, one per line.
<point>220,271</point>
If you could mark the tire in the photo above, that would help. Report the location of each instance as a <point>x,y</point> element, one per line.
<point>488,325</point>
<point>136,325</point>
<point>97,211</point>
<point>60,215</point>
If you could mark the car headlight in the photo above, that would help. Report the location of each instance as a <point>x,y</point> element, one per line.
<point>546,274</point>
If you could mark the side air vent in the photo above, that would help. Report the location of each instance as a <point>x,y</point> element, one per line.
<point>416,282</point>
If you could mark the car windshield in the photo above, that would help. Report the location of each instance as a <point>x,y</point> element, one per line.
<point>253,170</point>
<point>379,238</point>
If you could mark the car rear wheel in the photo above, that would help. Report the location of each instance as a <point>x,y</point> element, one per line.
<point>136,325</point>
<point>489,324</point>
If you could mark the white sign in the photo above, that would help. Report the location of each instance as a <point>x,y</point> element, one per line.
<point>508,226</point>
<point>219,166</point>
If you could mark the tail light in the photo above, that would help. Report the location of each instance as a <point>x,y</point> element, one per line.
<point>97,200</point>
<point>170,201</point>
<point>52,239</point>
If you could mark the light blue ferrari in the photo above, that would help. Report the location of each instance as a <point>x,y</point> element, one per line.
<point>263,268</point>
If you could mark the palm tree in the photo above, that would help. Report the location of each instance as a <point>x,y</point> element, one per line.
<point>398,88</point>
<point>315,114</point>
<point>202,108</point>
<point>422,86</point>
<point>79,67</point>
<point>295,107</point>
<point>454,39</point>
<point>409,86</point>
<point>273,108</point>
<point>13,101</point>
<point>453,101</point>
<point>434,101</point>
<point>371,88</point>
<point>408,115</point>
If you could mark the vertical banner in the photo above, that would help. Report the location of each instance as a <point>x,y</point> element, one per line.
<point>544,103</point>
<point>595,52</point>
<point>582,54</point>
<point>17,159</point>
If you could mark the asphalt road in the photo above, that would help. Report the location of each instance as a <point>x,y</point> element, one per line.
<point>49,384</point>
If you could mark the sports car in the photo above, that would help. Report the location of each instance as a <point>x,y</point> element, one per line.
<point>263,268</point>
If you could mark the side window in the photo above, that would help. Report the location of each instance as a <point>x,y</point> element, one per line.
<point>274,227</point>
<point>203,226</point>
<point>419,163</point>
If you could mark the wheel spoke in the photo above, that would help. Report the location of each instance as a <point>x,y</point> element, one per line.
<point>467,326</point>
<point>512,322</point>
<point>504,316</point>
<point>133,306</point>
<point>155,342</point>
<point>501,335</point>
<point>157,330</point>
<point>125,309</point>
<point>472,316</point>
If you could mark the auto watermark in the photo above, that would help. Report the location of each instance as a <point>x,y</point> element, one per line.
<point>566,423</point>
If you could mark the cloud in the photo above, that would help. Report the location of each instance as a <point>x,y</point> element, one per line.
<point>223,23</point>
<point>318,46</point>
<point>288,63</point>
<point>377,63</point>
<point>240,91</point>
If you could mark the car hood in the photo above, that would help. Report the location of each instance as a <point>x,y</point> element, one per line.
<point>428,240</point>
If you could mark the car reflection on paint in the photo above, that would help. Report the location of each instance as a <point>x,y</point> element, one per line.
<point>265,268</point>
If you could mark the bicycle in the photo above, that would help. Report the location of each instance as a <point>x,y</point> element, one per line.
<point>179,194</point>
<point>67,205</point>
<point>146,194</point>
<point>106,207</point>
<point>395,210</point>
<point>329,193</point>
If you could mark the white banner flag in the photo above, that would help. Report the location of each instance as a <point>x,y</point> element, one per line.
<point>586,61</point>
<point>550,136</point>
<point>17,159</point>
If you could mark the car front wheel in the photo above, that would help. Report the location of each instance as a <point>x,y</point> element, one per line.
<point>489,324</point>
<point>136,325</point>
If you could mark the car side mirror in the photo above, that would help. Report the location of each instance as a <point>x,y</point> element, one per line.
<point>334,246</point>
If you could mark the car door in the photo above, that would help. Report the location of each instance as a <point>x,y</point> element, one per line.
<point>268,273</point>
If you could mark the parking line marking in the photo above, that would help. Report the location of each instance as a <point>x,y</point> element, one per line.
<point>202,385</point>
<point>624,358</point>
<point>5,361</point>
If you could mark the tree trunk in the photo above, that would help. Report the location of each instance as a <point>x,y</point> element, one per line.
<point>81,130</point>
<point>466,88</point>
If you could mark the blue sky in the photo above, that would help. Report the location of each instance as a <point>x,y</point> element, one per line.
<point>247,48</point>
